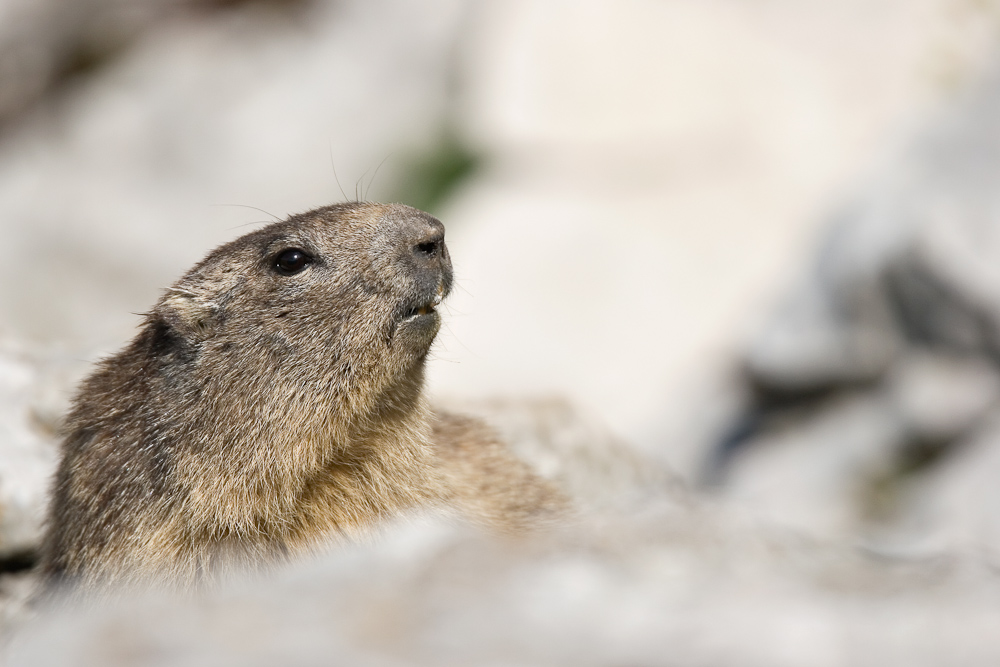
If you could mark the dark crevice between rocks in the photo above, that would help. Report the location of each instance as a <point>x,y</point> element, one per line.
<point>883,492</point>
<point>769,407</point>
<point>19,561</point>
<point>928,313</point>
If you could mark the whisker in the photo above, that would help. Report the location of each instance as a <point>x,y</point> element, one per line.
<point>357,187</point>
<point>459,341</point>
<point>255,208</point>
<point>335,177</point>
<point>372,181</point>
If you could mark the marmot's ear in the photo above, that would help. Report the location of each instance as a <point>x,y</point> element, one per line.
<point>191,314</point>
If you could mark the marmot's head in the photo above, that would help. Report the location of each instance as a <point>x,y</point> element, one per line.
<point>328,309</point>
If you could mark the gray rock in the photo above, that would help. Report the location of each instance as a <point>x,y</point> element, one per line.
<point>656,584</point>
<point>34,390</point>
<point>563,444</point>
<point>882,365</point>
<point>911,261</point>
<point>44,43</point>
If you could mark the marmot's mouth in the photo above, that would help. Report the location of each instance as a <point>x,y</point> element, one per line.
<point>421,308</point>
<point>414,312</point>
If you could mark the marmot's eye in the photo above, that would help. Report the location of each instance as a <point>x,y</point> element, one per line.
<point>291,261</point>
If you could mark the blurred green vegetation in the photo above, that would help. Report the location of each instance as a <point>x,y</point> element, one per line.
<point>431,177</point>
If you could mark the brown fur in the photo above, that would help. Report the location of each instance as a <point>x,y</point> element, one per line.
<point>257,415</point>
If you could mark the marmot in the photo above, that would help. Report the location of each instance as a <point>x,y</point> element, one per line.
<point>273,399</point>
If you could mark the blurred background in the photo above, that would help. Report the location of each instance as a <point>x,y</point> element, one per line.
<point>757,240</point>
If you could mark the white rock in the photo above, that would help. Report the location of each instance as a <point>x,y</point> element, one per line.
<point>27,449</point>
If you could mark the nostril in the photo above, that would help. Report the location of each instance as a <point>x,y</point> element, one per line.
<point>425,242</point>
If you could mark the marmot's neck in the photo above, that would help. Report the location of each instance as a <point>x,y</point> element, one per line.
<point>324,478</point>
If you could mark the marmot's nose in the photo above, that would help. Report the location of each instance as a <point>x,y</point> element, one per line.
<point>429,249</point>
<point>422,253</point>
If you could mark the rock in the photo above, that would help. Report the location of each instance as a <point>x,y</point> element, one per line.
<point>653,584</point>
<point>565,445</point>
<point>883,363</point>
<point>34,389</point>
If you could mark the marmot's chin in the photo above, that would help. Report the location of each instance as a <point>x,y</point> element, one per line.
<point>418,327</point>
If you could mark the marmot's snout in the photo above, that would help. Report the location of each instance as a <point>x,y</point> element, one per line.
<point>423,269</point>
<point>428,255</point>
<point>423,255</point>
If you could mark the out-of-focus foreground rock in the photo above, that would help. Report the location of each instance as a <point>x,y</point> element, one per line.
<point>626,187</point>
<point>663,584</point>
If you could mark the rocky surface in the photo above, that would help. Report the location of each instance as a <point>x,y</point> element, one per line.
<point>874,390</point>
<point>659,584</point>
<point>34,392</point>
